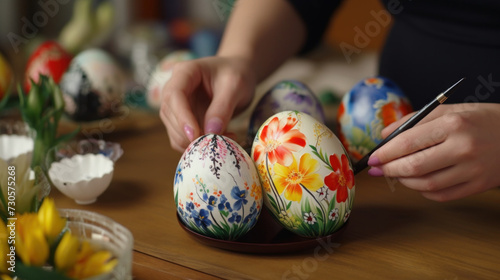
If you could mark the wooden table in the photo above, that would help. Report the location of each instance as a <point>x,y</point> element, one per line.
<point>393,233</point>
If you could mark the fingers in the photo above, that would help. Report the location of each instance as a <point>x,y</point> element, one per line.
<point>176,112</point>
<point>438,112</point>
<point>447,157</point>
<point>409,142</point>
<point>227,88</point>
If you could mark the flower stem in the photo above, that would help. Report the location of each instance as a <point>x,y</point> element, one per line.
<point>321,206</point>
<point>273,187</point>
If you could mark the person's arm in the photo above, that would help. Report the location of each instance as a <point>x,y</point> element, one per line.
<point>203,94</point>
<point>263,32</point>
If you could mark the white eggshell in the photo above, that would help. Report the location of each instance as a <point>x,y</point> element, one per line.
<point>217,189</point>
<point>306,176</point>
<point>287,95</point>
<point>82,177</point>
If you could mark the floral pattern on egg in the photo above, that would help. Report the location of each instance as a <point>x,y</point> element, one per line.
<point>370,106</point>
<point>217,189</point>
<point>287,95</point>
<point>306,175</point>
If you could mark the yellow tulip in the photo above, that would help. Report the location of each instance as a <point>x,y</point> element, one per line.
<point>5,277</point>
<point>31,244</point>
<point>4,248</point>
<point>92,263</point>
<point>66,252</point>
<point>50,220</point>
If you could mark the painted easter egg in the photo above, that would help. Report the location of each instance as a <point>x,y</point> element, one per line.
<point>217,189</point>
<point>49,59</point>
<point>205,42</point>
<point>288,95</point>
<point>307,178</point>
<point>370,106</point>
<point>93,86</point>
<point>162,74</point>
<point>6,76</point>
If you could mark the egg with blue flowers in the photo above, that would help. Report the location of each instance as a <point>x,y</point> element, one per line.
<point>370,106</point>
<point>217,189</point>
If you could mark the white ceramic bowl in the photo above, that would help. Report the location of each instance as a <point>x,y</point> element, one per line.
<point>15,140</point>
<point>12,146</point>
<point>82,177</point>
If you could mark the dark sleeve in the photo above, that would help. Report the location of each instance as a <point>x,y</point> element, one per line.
<point>316,15</point>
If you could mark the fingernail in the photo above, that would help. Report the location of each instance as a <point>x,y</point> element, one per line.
<point>189,132</point>
<point>373,161</point>
<point>376,172</point>
<point>214,126</point>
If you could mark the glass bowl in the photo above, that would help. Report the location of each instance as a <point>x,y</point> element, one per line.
<point>106,234</point>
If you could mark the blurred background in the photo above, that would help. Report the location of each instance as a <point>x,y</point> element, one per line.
<point>138,34</point>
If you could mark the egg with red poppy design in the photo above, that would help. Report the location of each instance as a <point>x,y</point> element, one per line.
<point>307,178</point>
<point>93,87</point>
<point>49,59</point>
<point>370,106</point>
<point>217,189</point>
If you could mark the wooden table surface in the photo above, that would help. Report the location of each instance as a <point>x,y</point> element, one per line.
<point>393,232</point>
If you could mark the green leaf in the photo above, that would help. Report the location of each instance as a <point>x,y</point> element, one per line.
<point>288,205</point>
<point>67,136</point>
<point>5,99</point>
<point>272,201</point>
<point>176,197</point>
<point>37,273</point>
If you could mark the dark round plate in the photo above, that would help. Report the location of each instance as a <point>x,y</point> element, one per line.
<point>267,237</point>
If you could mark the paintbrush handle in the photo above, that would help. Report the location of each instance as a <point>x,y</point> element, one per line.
<point>411,122</point>
<point>417,117</point>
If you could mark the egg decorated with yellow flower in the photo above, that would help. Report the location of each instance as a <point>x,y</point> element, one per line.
<point>307,178</point>
<point>217,188</point>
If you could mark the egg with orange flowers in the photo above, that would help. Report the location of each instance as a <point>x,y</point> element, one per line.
<point>370,106</point>
<point>306,175</point>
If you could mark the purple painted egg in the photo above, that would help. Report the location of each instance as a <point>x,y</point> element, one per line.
<point>288,95</point>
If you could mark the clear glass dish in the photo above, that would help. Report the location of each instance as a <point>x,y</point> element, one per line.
<point>106,233</point>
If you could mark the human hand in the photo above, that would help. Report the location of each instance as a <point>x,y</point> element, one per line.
<point>452,153</point>
<point>202,95</point>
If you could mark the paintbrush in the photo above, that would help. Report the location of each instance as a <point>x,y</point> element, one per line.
<point>363,163</point>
